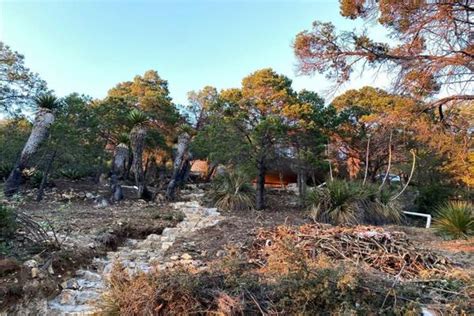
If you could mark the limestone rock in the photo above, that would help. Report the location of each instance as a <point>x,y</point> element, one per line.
<point>35,273</point>
<point>70,284</point>
<point>31,264</point>
<point>186,256</point>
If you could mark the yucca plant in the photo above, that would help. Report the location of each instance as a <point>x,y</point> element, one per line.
<point>123,138</point>
<point>337,203</point>
<point>36,178</point>
<point>7,221</point>
<point>5,169</point>
<point>47,101</point>
<point>455,219</point>
<point>233,192</point>
<point>380,208</point>
<point>136,117</point>
<point>348,203</point>
<point>41,125</point>
<point>71,174</point>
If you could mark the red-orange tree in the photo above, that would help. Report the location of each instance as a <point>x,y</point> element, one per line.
<point>432,47</point>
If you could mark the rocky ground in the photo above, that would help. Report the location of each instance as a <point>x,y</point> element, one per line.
<point>77,215</point>
<point>142,236</point>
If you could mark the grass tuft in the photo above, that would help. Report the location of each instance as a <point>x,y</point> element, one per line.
<point>455,219</point>
<point>232,192</point>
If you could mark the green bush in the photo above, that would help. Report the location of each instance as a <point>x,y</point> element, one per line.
<point>36,178</point>
<point>73,174</point>
<point>455,219</point>
<point>233,192</point>
<point>338,202</point>
<point>7,222</point>
<point>349,203</point>
<point>432,196</point>
<point>5,169</point>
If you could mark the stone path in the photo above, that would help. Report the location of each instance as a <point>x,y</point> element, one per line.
<point>80,294</point>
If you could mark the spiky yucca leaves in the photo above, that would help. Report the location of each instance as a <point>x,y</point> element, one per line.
<point>7,221</point>
<point>455,219</point>
<point>47,101</point>
<point>72,174</point>
<point>379,207</point>
<point>233,192</point>
<point>349,203</point>
<point>338,202</point>
<point>136,117</point>
<point>123,138</point>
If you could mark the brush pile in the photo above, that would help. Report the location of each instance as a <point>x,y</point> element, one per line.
<point>388,252</point>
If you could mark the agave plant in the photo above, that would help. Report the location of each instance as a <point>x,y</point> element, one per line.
<point>455,219</point>
<point>47,101</point>
<point>233,192</point>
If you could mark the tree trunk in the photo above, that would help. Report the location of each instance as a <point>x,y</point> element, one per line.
<point>116,188</point>
<point>183,143</point>
<point>185,171</point>
<point>151,171</point>
<point>119,169</point>
<point>43,121</point>
<point>137,141</point>
<point>301,184</point>
<point>44,180</point>
<point>129,165</point>
<point>210,171</point>
<point>261,185</point>
<point>121,156</point>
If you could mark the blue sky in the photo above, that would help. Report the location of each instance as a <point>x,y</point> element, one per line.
<point>89,46</point>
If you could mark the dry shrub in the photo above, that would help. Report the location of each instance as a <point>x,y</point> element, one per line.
<point>129,295</point>
<point>288,280</point>
<point>181,291</point>
<point>228,305</point>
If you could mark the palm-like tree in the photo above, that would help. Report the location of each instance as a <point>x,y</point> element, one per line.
<point>180,164</point>
<point>44,119</point>
<point>139,121</point>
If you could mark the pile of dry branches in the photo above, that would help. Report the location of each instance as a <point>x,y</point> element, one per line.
<point>389,252</point>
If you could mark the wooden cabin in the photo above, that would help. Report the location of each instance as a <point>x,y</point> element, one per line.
<point>273,178</point>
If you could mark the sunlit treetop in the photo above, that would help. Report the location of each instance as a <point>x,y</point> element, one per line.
<point>431,48</point>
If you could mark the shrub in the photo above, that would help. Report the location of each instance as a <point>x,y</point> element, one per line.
<point>382,209</point>
<point>455,219</point>
<point>337,202</point>
<point>36,178</point>
<point>432,196</point>
<point>7,222</point>
<point>5,169</point>
<point>73,174</point>
<point>233,192</point>
<point>238,290</point>
<point>348,203</point>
